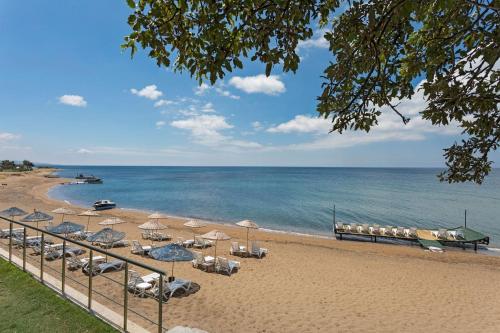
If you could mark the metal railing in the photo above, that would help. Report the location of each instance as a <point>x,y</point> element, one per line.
<point>90,291</point>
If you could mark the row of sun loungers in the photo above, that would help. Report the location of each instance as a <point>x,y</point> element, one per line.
<point>443,234</point>
<point>73,262</point>
<point>219,265</point>
<point>376,230</point>
<point>156,236</point>
<point>5,233</point>
<point>401,232</point>
<point>241,251</point>
<point>120,243</point>
<point>111,266</point>
<point>52,254</point>
<point>148,286</point>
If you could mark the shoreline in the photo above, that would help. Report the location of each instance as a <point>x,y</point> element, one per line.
<point>489,251</point>
<point>305,283</point>
<point>483,249</point>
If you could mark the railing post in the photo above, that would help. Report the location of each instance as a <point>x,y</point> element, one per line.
<point>42,255</point>
<point>160,304</point>
<point>63,273</point>
<point>10,241</point>
<point>24,250</point>
<point>125,298</point>
<point>90,279</point>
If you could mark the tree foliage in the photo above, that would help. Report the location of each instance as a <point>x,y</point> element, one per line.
<point>380,50</point>
<point>6,165</point>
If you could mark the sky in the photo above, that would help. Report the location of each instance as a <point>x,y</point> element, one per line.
<point>70,95</point>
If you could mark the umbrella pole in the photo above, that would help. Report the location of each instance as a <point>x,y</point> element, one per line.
<point>62,218</point>
<point>88,222</point>
<point>215,254</point>
<point>247,240</point>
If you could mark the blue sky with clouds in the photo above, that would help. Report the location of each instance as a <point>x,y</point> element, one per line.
<point>69,95</point>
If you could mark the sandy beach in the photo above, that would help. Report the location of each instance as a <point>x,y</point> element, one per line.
<point>305,284</point>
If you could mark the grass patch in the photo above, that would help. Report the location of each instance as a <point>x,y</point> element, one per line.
<point>28,306</point>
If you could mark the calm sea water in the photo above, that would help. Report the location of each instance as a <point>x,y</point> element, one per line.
<point>295,199</point>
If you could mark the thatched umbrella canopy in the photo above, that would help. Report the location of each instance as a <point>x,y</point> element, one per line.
<point>66,228</point>
<point>89,214</point>
<point>112,221</point>
<point>106,236</point>
<point>249,225</point>
<point>216,235</point>
<point>37,216</point>
<point>153,225</point>
<point>63,211</point>
<point>195,224</point>
<point>12,212</point>
<point>157,216</point>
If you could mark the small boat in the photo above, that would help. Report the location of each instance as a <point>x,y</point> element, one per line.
<point>82,176</point>
<point>93,180</point>
<point>104,204</point>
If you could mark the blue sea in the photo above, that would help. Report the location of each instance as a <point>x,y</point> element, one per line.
<point>294,199</point>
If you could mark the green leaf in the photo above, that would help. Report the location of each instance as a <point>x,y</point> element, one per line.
<point>131,3</point>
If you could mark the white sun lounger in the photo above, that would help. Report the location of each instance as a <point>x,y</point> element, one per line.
<point>137,248</point>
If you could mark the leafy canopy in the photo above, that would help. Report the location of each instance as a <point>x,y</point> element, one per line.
<point>380,48</point>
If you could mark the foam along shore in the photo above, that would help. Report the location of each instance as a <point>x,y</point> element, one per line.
<point>306,284</point>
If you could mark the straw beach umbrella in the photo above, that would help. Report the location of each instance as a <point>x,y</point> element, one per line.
<point>157,216</point>
<point>106,236</point>
<point>89,214</point>
<point>37,216</point>
<point>63,211</point>
<point>249,225</point>
<point>112,221</point>
<point>195,224</point>
<point>66,228</point>
<point>171,253</point>
<point>12,212</point>
<point>216,235</point>
<point>152,225</point>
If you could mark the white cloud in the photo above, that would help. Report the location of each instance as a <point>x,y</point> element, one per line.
<point>201,89</point>
<point>389,128</point>
<point>150,92</point>
<point>163,102</point>
<point>269,85</point>
<point>206,130</point>
<point>257,125</point>
<point>219,89</point>
<point>4,137</point>
<point>226,93</point>
<point>302,124</point>
<point>317,41</point>
<point>160,124</point>
<point>127,151</point>
<point>73,100</point>
<point>208,107</point>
